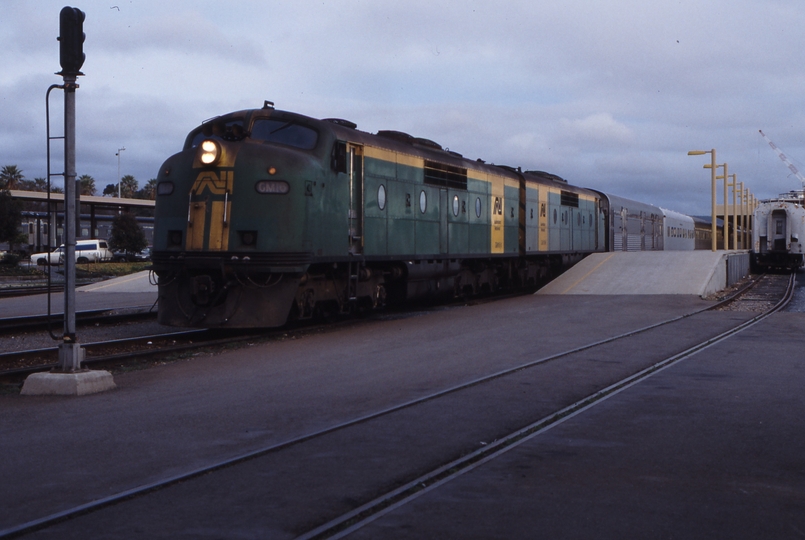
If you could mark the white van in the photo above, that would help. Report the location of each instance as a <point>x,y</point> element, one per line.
<point>86,251</point>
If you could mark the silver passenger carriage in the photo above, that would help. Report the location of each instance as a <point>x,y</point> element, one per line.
<point>679,233</point>
<point>779,226</point>
<point>633,225</point>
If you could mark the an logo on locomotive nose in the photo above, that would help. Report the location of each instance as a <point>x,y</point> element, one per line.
<point>217,185</point>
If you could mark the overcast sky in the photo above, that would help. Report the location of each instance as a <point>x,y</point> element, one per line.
<point>608,94</point>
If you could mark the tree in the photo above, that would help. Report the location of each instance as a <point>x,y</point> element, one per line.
<point>10,175</point>
<point>10,218</point>
<point>40,184</point>
<point>87,184</point>
<point>126,234</point>
<point>37,184</point>
<point>149,191</point>
<point>128,186</point>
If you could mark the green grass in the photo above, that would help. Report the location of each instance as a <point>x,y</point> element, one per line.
<point>10,270</point>
<point>115,269</point>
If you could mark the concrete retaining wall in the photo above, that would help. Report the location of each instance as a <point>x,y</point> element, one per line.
<point>737,267</point>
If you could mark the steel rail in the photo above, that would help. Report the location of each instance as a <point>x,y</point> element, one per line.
<point>32,322</point>
<point>409,491</point>
<point>377,508</point>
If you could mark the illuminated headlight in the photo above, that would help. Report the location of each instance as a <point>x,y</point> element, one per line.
<point>275,187</point>
<point>210,152</point>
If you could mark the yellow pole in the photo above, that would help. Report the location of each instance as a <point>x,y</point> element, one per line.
<point>745,221</point>
<point>712,168</point>
<point>740,218</point>
<point>724,224</point>
<point>713,230</point>
<point>734,185</point>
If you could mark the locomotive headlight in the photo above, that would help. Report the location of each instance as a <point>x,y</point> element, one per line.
<point>210,152</point>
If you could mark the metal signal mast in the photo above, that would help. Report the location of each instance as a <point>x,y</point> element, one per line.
<point>785,159</point>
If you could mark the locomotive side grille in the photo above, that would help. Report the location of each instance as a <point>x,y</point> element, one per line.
<point>439,174</point>
<point>569,198</point>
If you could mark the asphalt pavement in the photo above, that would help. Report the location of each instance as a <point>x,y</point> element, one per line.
<point>709,447</point>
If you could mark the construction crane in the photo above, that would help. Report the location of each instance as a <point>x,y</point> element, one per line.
<point>785,159</point>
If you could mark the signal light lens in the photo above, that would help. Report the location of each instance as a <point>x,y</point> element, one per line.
<point>210,152</point>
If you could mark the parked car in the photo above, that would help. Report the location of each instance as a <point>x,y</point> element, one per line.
<point>86,251</point>
<point>125,256</point>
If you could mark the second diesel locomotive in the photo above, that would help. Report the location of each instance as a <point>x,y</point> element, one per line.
<point>267,214</point>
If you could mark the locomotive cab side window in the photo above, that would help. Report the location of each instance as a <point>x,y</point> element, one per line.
<point>339,159</point>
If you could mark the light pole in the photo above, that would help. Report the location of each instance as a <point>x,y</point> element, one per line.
<point>119,179</point>
<point>722,177</point>
<point>726,229</point>
<point>734,185</point>
<point>712,189</point>
<point>742,197</point>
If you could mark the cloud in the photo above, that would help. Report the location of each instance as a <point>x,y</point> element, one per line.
<point>600,130</point>
<point>608,94</point>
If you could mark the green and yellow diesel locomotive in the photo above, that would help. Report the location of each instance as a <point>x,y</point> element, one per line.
<point>267,214</point>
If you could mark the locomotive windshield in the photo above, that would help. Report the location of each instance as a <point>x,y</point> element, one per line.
<point>263,129</point>
<point>231,130</point>
<point>283,132</point>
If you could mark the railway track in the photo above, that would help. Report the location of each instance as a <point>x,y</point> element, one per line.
<point>116,353</point>
<point>83,318</point>
<point>365,511</point>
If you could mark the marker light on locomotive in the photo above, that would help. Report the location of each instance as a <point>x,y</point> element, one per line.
<point>210,152</point>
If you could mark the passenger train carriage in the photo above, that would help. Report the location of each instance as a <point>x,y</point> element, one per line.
<point>267,214</point>
<point>779,227</point>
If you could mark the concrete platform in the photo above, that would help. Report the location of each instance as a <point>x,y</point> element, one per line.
<point>132,291</point>
<point>699,273</point>
<point>139,282</point>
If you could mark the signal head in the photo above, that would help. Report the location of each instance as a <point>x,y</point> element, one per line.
<point>71,41</point>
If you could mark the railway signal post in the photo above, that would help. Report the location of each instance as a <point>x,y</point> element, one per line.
<point>69,378</point>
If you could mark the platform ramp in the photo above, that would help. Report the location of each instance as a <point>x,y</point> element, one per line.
<point>140,282</point>
<point>699,273</point>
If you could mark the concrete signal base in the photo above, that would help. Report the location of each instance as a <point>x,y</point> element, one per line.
<point>79,383</point>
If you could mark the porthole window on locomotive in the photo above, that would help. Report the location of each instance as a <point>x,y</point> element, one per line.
<point>455,205</point>
<point>423,201</point>
<point>478,207</point>
<point>381,197</point>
